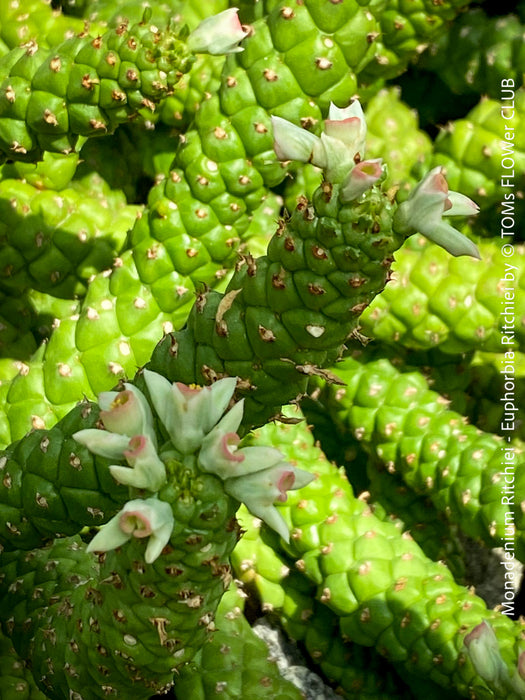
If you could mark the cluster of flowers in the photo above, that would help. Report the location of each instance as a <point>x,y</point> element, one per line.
<point>197,424</point>
<point>340,150</point>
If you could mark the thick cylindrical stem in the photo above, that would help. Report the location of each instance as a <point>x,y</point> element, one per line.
<point>385,591</point>
<point>86,86</point>
<point>284,316</point>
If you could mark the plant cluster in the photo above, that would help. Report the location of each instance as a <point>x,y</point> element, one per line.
<point>254,339</point>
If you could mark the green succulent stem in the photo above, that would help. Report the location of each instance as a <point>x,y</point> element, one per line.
<point>87,86</point>
<point>283,593</point>
<point>451,304</point>
<point>127,612</point>
<point>54,242</point>
<point>115,623</point>
<point>53,486</point>
<point>409,428</point>
<point>235,661</point>
<point>286,315</point>
<point>386,593</point>
<point>34,20</point>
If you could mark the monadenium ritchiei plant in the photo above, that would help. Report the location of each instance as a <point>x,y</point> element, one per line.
<point>340,151</point>
<point>201,432</point>
<point>285,316</point>
<point>116,546</point>
<point>158,565</point>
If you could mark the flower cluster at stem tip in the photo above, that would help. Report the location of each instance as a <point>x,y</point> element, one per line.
<point>198,423</point>
<point>340,151</point>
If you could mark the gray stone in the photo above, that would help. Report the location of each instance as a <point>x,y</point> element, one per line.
<point>291,663</point>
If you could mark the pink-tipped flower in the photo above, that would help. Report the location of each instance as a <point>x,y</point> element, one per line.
<point>336,151</point>
<point>126,412</point>
<point>484,652</point>
<point>291,142</point>
<point>361,178</point>
<point>348,125</point>
<point>127,418</point>
<point>220,454</point>
<point>147,469</point>
<point>103,443</point>
<point>139,518</point>
<point>189,413</point>
<point>219,34</point>
<point>260,490</point>
<point>424,209</point>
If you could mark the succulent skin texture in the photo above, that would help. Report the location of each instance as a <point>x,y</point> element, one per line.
<point>150,595</point>
<point>332,258</point>
<point>226,161</point>
<point>84,494</point>
<point>16,678</point>
<point>397,139</point>
<point>410,429</point>
<point>98,342</point>
<point>478,71</point>
<point>192,261</point>
<point>59,481</point>
<point>216,667</point>
<point>290,312</point>
<point>386,593</point>
<point>26,21</point>
<point>271,326</point>
<point>283,593</point>
<point>305,338</point>
<point>86,86</point>
<point>316,241</point>
<point>172,626</point>
<point>452,304</point>
<point>54,243</point>
<point>386,35</point>
<point>470,151</point>
<point>89,85</point>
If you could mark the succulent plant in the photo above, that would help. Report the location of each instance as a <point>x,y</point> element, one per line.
<point>435,301</point>
<point>183,476</point>
<point>384,590</point>
<point>285,316</point>
<point>241,217</point>
<point>217,668</point>
<point>480,72</point>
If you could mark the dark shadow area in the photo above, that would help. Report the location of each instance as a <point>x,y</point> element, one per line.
<point>59,261</point>
<point>131,158</point>
<point>432,98</point>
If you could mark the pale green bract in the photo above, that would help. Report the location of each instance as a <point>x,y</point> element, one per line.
<point>219,34</point>
<point>425,207</point>
<point>339,151</point>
